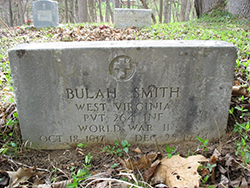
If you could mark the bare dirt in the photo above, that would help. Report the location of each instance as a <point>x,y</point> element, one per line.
<point>57,165</point>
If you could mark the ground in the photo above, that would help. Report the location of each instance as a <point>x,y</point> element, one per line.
<point>59,165</point>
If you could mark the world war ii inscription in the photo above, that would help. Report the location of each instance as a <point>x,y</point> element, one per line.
<point>147,92</point>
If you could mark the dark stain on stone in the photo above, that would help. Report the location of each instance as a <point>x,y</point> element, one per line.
<point>20,53</point>
<point>85,73</point>
<point>192,113</point>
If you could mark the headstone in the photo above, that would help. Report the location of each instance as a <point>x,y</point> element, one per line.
<point>132,17</point>
<point>45,13</point>
<point>132,2</point>
<point>147,92</point>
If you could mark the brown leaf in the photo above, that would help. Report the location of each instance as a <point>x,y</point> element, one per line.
<point>59,184</point>
<point>236,82</point>
<point>78,31</point>
<point>152,156</point>
<point>150,172</point>
<point>244,183</point>
<point>223,181</point>
<point>179,171</point>
<point>239,90</point>
<point>217,155</point>
<point>222,170</point>
<point>21,175</point>
<point>137,150</point>
<point>212,161</point>
<point>123,163</point>
<point>4,178</point>
<point>236,182</point>
<point>231,162</point>
<point>101,184</point>
<point>204,172</point>
<point>144,162</point>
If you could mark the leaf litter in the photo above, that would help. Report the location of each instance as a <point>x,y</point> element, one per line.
<point>26,167</point>
<point>179,172</point>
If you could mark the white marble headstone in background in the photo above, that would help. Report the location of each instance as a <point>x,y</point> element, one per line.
<point>132,17</point>
<point>45,13</point>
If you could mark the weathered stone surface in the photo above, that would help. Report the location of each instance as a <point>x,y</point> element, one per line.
<point>240,7</point>
<point>45,13</point>
<point>132,17</point>
<point>144,91</point>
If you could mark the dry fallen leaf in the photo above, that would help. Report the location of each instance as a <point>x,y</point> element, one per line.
<point>222,169</point>
<point>144,162</point>
<point>244,183</point>
<point>59,184</point>
<point>236,82</point>
<point>101,184</point>
<point>236,182</point>
<point>21,175</point>
<point>137,150</point>
<point>4,178</point>
<point>179,172</point>
<point>211,162</point>
<point>224,181</point>
<point>216,157</point>
<point>231,162</point>
<point>150,172</point>
<point>239,90</point>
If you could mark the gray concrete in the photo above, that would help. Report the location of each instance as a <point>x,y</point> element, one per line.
<point>45,13</point>
<point>144,91</point>
<point>132,17</point>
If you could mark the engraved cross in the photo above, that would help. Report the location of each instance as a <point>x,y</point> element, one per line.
<point>122,66</point>
<point>44,5</point>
